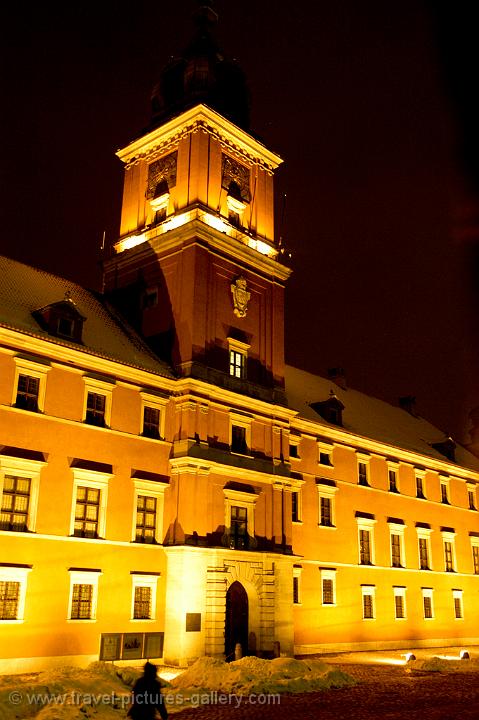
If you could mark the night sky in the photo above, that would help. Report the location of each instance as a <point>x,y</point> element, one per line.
<point>371,106</point>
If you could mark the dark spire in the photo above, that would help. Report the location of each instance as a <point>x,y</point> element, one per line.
<point>202,75</point>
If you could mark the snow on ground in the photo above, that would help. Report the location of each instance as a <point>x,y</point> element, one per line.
<point>103,690</point>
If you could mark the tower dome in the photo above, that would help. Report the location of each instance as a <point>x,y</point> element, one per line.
<point>202,75</point>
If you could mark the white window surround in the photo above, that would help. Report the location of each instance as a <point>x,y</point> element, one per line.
<point>297,575</point>
<point>428,592</point>
<point>98,481</point>
<point>327,491</point>
<point>368,525</point>
<point>244,422</point>
<point>159,403</point>
<point>444,482</point>
<point>144,580</point>
<point>328,574</point>
<point>366,460</point>
<point>299,505</point>
<point>424,534</point>
<point>99,387</point>
<point>150,488</point>
<point>19,575</point>
<point>400,591</point>
<point>450,537</point>
<point>458,595</point>
<point>238,346</point>
<point>474,543</point>
<point>325,449</point>
<point>238,498</point>
<point>471,487</point>
<point>394,467</point>
<point>84,577</point>
<point>398,529</point>
<point>27,469</point>
<point>33,369</point>
<point>369,590</point>
<point>421,474</point>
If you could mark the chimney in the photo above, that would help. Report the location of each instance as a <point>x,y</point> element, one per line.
<point>338,376</point>
<point>408,403</point>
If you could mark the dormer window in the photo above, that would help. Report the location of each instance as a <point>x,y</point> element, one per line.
<point>330,410</point>
<point>61,319</point>
<point>446,447</point>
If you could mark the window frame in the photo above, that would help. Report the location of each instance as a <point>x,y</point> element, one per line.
<point>242,349</point>
<point>458,596</point>
<point>149,488</point>
<point>475,556</point>
<point>297,570</point>
<point>471,492</point>
<point>16,573</point>
<point>444,484</point>
<point>328,574</point>
<point>158,403</point>
<point>400,591</point>
<point>149,580</point>
<point>95,480</point>
<point>397,529</point>
<point>420,481</point>
<point>424,534</point>
<point>366,525</point>
<point>393,467</point>
<point>239,498</point>
<point>428,593</point>
<point>363,459</point>
<point>243,422</point>
<point>325,448</point>
<point>328,492</point>
<point>30,469</point>
<point>368,590</point>
<point>98,387</point>
<point>449,537</point>
<point>37,370</point>
<point>84,577</point>
<point>298,520</point>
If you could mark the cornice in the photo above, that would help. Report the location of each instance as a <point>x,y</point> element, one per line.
<point>188,464</point>
<point>200,118</point>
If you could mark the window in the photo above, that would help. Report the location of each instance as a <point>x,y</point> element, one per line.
<point>475,554</point>
<point>240,434</point>
<point>239,517</point>
<point>296,506</point>
<point>150,296</point>
<point>363,474</point>
<point>457,599</point>
<point>368,592</point>
<point>148,511</point>
<point>448,562</point>
<point>420,484</point>
<point>393,481</point>
<point>19,487</point>
<point>325,454</point>
<point>448,536</point>
<point>90,492</point>
<point>297,585</point>
<point>153,415</point>
<point>396,530</point>
<point>144,595</point>
<point>29,385</point>
<point>83,594</point>
<point>399,602</point>
<point>238,354</point>
<point>65,327</point>
<point>328,586</point>
<point>444,485</point>
<point>97,406</point>
<point>424,538</point>
<point>471,496</point>
<point>238,527</point>
<point>326,491</point>
<point>428,606</point>
<point>293,450</point>
<point>13,586</point>
<point>366,524</point>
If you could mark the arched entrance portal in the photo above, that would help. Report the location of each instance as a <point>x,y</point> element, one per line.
<point>236,625</point>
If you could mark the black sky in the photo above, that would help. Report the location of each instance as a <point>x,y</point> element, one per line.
<point>370,105</point>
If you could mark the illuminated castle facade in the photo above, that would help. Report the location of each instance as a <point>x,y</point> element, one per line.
<point>169,488</point>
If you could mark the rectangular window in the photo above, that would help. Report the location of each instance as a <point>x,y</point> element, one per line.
<point>396,550</point>
<point>393,481</point>
<point>457,597</point>
<point>470,495</point>
<point>145,519</point>
<point>325,458</point>
<point>444,494</point>
<point>237,364</point>
<point>151,422</point>
<point>238,439</point>
<point>475,558</point>
<point>420,487</point>
<point>399,606</point>
<point>363,474</point>
<point>326,511</point>
<point>423,554</point>
<point>448,556</point>
<point>427,603</point>
<point>239,524</point>
<point>15,503</point>
<point>9,600</point>
<point>95,409</point>
<point>295,506</point>
<point>368,604</point>
<point>295,590</point>
<point>293,451</point>
<point>365,547</point>
<point>27,392</point>
<point>327,591</point>
<point>142,603</point>
<point>328,586</point>
<point>81,604</point>
<point>87,511</point>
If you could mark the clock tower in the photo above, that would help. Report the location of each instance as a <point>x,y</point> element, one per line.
<point>197,269</point>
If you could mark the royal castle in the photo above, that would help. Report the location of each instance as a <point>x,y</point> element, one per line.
<point>169,487</point>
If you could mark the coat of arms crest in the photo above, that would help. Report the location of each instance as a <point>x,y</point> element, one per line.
<point>241,296</point>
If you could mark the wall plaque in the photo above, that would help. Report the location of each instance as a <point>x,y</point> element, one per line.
<point>193,622</point>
